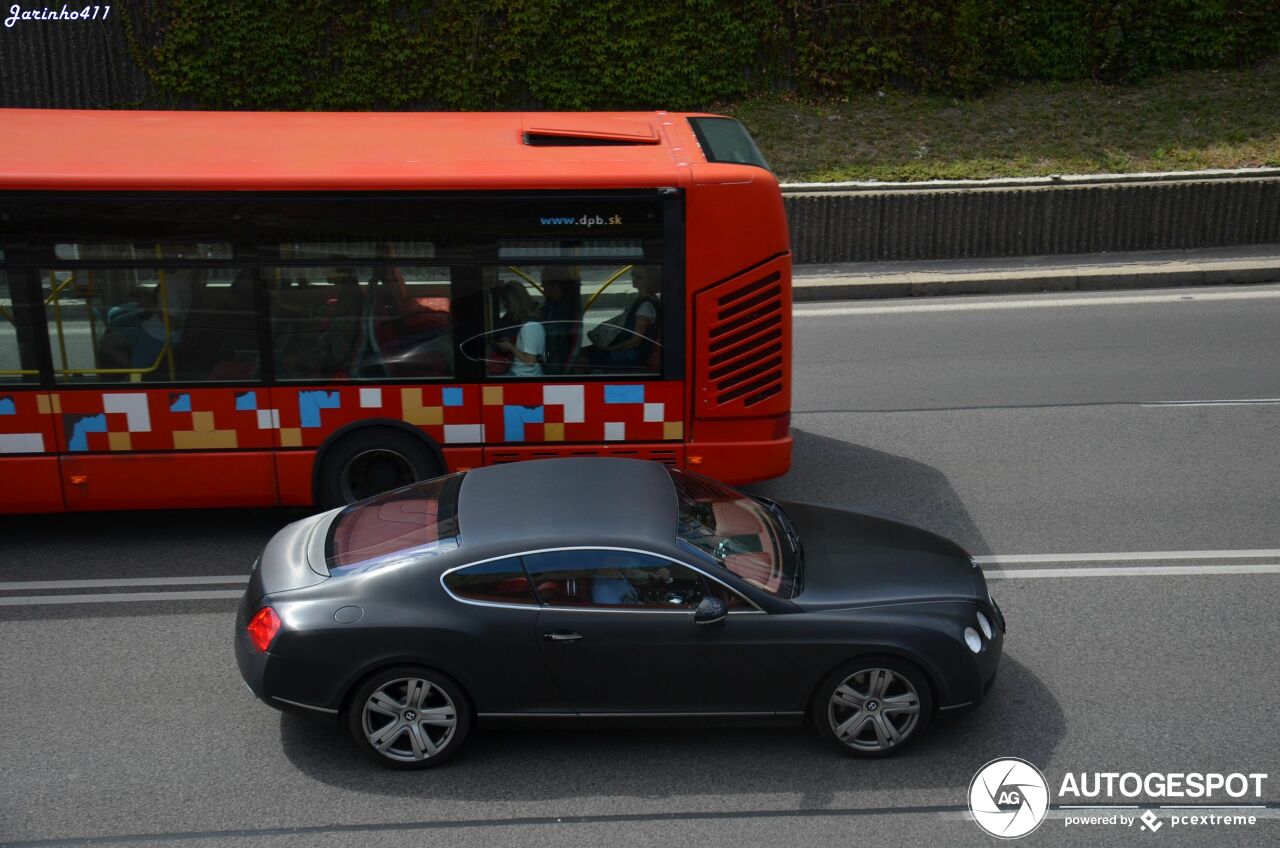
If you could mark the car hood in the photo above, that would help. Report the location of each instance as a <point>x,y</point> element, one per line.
<point>858,559</point>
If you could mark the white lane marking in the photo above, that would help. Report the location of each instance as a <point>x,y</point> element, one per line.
<point>119,597</point>
<point>1234,402</point>
<point>1030,302</point>
<point>121,582</point>
<point>1010,559</point>
<point>991,573</point>
<point>1134,571</point>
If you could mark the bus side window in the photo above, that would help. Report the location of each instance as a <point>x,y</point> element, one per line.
<point>219,339</point>
<point>348,322</point>
<point>17,343</point>
<point>150,324</point>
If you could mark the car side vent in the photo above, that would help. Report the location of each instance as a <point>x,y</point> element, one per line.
<point>747,338</point>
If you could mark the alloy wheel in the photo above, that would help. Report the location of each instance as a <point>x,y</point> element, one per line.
<point>874,709</point>
<point>409,719</point>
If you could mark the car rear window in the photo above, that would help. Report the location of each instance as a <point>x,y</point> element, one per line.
<point>417,520</point>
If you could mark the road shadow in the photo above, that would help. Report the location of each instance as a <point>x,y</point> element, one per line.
<point>143,543</point>
<point>1020,718</point>
<point>836,473</point>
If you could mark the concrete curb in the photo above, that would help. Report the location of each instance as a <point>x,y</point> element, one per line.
<point>859,281</point>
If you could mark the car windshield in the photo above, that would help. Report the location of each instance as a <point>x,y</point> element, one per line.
<point>421,519</point>
<point>742,534</point>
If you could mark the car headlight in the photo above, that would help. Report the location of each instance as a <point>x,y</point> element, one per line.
<point>984,624</point>
<point>972,639</point>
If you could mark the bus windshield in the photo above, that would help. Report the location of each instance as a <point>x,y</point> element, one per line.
<point>740,533</point>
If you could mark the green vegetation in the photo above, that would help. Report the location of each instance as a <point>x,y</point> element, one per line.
<point>886,89</point>
<point>1185,121</point>
<point>674,54</point>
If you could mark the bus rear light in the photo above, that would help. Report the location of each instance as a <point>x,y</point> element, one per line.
<point>263,627</point>
<point>693,460</point>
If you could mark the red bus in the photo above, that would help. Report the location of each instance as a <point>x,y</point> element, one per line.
<point>244,309</point>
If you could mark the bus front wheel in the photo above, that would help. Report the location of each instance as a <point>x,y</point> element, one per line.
<point>369,462</point>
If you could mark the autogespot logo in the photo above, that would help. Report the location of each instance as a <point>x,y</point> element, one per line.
<point>1008,797</point>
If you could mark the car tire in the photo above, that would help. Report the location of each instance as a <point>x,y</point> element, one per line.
<point>409,717</point>
<point>370,461</point>
<point>873,706</point>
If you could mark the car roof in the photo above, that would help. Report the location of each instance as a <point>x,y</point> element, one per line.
<point>603,501</point>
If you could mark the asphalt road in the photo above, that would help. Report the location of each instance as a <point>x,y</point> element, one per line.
<point>1015,425</point>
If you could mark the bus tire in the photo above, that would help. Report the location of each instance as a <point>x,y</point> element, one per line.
<point>370,461</point>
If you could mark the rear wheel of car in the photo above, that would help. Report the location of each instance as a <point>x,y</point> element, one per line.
<point>369,462</point>
<point>873,707</point>
<point>409,717</point>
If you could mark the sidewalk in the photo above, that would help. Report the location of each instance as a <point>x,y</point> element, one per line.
<point>1022,274</point>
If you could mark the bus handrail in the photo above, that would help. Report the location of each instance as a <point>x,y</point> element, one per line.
<point>530,280</point>
<point>624,269</point>
<point>135,374</point>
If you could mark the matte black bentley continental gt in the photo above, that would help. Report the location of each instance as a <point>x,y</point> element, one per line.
<point>611,588</point>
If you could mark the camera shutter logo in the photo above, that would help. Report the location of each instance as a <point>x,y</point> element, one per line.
<point>1008,798</point>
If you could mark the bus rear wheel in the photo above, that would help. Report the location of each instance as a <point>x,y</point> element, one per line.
<point>372,461</point>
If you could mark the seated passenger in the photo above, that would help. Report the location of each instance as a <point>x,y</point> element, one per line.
<point>630,346</point>
<point>530,345</point>
<point>135,335</point>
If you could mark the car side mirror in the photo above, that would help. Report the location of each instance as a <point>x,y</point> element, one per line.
<point>710,611</point>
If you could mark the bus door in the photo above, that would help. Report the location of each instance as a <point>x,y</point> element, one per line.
<point>28,441</point>
<point>114,333</point>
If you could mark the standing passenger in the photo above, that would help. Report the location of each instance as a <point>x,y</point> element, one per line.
<point>561,315</point>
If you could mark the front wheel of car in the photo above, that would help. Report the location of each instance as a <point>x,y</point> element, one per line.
<point>873,707</point>
<point>409,717</point>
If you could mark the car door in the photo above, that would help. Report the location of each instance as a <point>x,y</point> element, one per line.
<point>617,633</point>
<point>491,630</point>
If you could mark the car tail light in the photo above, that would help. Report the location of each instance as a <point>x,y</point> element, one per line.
<point>263,627</point>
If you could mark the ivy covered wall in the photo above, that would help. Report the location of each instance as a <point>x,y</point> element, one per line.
<point>678,54</point>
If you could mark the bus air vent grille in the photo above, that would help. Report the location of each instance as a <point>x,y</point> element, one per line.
<point>747,339</point>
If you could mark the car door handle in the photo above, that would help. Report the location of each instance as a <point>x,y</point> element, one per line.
<point>562,636</point>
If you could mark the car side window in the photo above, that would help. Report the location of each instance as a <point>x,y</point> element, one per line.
<point>613,579</point>
<point>732,600</point>
<point>502,581</point>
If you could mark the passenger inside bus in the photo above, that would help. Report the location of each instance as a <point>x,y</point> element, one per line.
<point>529,347</point>
<point>135,334</point>
<point>561,316</point>
<point>630,341</point>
